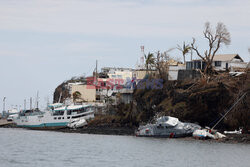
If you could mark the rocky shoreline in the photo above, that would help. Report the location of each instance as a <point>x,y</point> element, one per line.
<point>103,130</point>
<point>128,131</point>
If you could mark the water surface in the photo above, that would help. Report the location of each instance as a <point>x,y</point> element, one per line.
<point>22,148</point>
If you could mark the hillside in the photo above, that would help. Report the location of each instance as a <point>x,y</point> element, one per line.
<point>198,101</point>
<point>193,101</point>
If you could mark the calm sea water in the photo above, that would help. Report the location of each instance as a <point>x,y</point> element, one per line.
<point>22,148</point>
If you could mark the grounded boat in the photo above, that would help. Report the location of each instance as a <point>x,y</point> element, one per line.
<point>77,123</point>
<point>57,116</point>
<point>167,126</point>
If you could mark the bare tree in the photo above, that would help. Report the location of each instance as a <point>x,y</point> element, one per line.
<point>161,63</point>
<point>215,40</point>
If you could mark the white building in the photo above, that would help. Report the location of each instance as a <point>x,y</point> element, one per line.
<point>221,62</point>
<point>228,61</point>
<point>116,74</point>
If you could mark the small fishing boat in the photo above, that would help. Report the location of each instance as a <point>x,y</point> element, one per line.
<point>56,116</point>
<point>167,126</point>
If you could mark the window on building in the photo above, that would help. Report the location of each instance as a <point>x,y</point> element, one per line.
<point>189,65</point>
<point>217,63</point>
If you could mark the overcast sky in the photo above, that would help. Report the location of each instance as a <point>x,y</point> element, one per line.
<point>44,42</point>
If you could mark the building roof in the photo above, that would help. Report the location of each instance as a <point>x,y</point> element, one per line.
<point>226,57</point>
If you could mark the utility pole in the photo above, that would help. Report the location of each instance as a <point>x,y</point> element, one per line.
<point>96,77</point>
<point>96,71</point>
<point>191,58</point>
<point>4,98</point>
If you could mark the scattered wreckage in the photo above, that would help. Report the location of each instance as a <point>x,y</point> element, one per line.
<point>207,133</point>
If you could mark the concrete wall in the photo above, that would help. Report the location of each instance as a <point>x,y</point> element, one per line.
<point>188,74</point>
<point>234,65</point>
<point>140,74</point>
<point>173,71</point>
<point>88,93</point>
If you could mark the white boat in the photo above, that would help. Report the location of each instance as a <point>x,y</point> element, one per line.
<point>167,126</point>
<point>56,116</point>
<point>77,123</point>
<point>207,133</point>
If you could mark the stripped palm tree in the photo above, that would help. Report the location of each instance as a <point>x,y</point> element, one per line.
<point>149,60</point>
<point>185,50</point>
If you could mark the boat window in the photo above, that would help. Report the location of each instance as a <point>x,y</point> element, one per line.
<point>88,108</point>
<point>55,118</point>
<point>68,117</point>
<point>78,111</point>
<point>160,126</point>
<point>62,117</point>
<point>81,110</point>
<point>69,112</point>
<point>59,117</point>
<point>58,112</point>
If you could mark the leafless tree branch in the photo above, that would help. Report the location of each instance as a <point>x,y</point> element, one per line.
<point>215,40</point>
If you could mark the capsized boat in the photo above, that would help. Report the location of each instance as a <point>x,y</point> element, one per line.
<point>56,116</point>
<point>167,126</point>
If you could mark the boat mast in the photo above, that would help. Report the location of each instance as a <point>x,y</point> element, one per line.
<point>30,103</point>
<point>24,106</point>
<point>37,99</point>
<point>230,109</point>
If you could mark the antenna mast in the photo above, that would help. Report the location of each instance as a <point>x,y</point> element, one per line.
<point>141,64</point>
